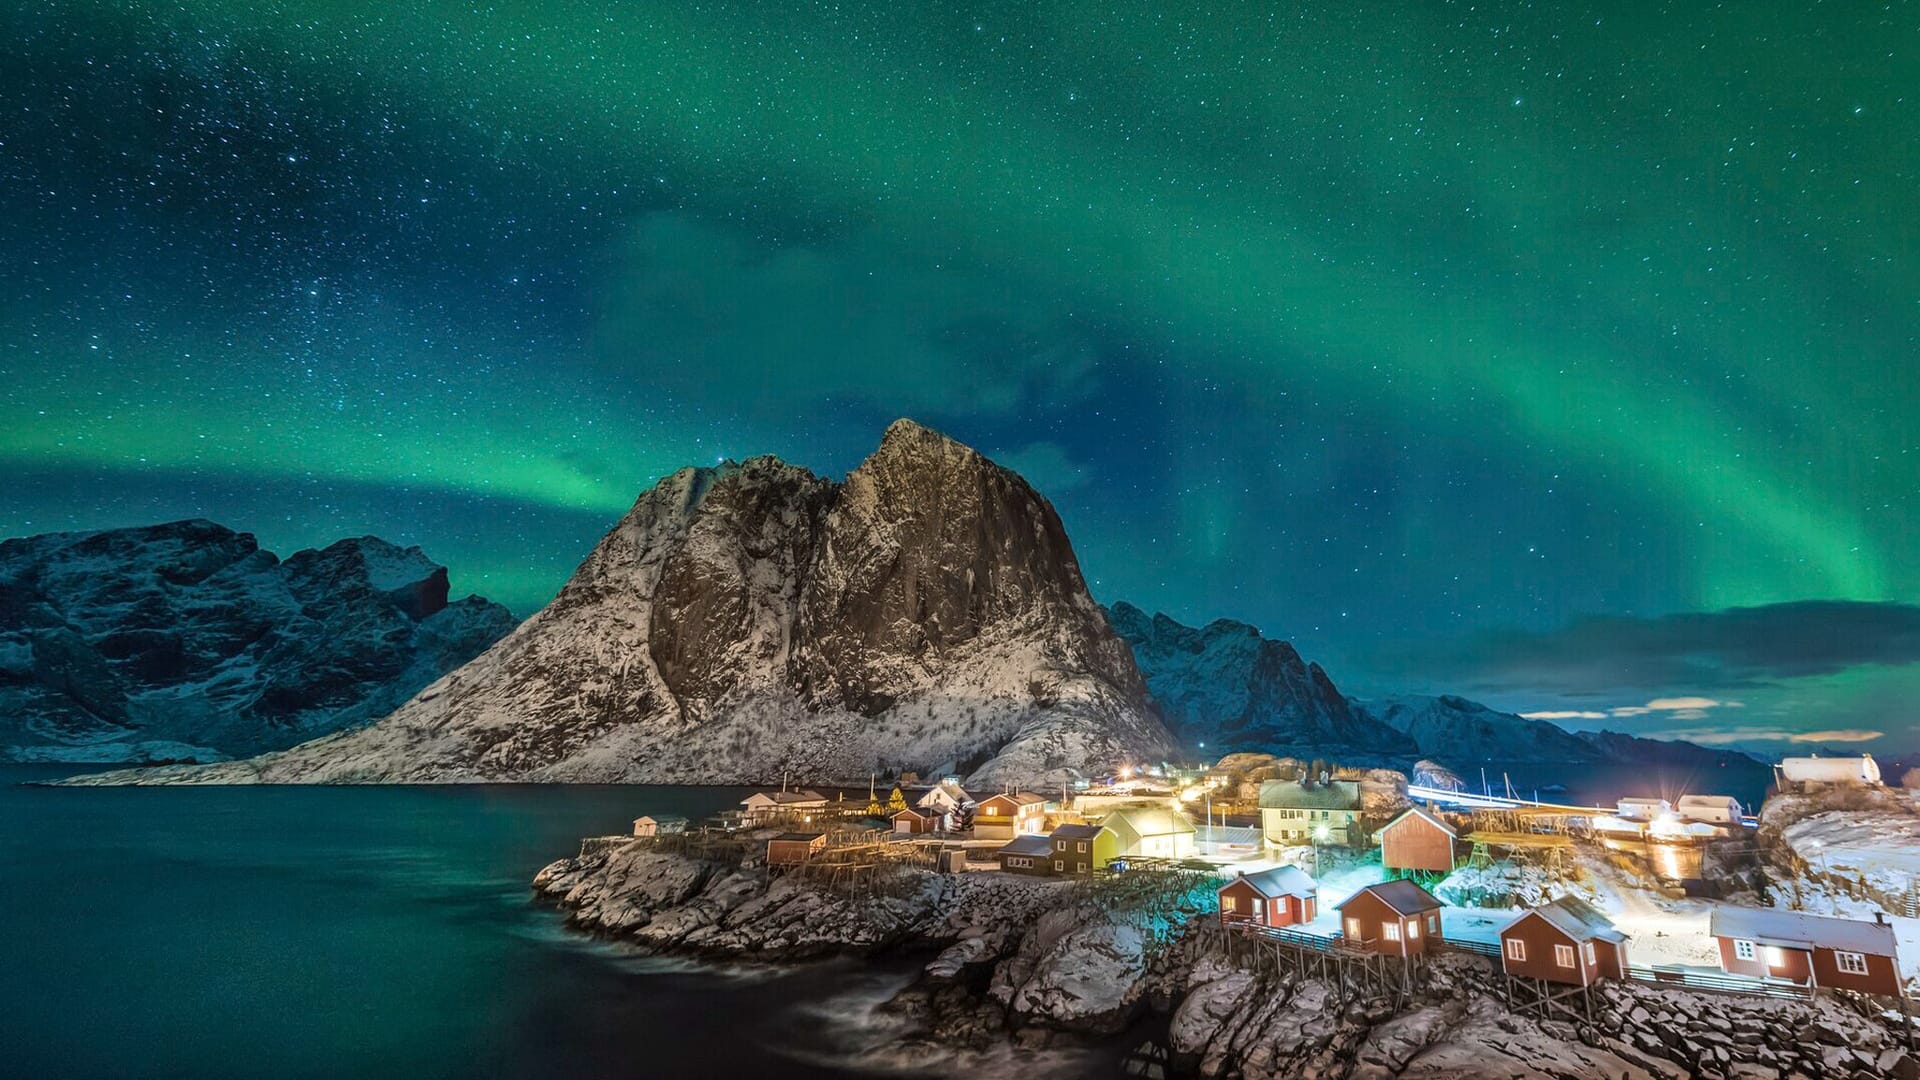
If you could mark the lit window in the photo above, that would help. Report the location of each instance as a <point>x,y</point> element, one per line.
<point>1743,950</point>
<point>1589,951</point>
<point>1390,931</point>
<point>1353,928</point>
<point>1563,955</point>
<point>1516,949</point>
<point>1850,963</point>
<point>1228,903</point>
<point>1413,929</point>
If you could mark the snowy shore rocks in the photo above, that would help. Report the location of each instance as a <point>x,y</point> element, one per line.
<point>754,620</point>
<point>187,641</point>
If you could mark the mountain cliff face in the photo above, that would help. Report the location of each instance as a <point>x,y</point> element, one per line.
<point>754,621</point>
<point>1228,687</point>
<point>187,641</point>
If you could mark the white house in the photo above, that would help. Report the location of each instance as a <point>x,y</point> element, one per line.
<point>1710,809</point>
<point>767,804</point>
<point>1639,809</point>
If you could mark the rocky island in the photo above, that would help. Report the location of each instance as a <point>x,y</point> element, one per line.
<point>1025,962</point>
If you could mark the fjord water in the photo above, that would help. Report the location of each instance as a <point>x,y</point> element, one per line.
<point>366,932</point>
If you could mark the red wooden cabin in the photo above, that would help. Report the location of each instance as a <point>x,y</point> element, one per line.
<point>1566,941</point>
<point>1393,918</point>
<point>1417,840</point>
<point>1282,896</point>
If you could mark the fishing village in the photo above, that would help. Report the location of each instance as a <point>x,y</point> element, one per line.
<point>1372,889</point>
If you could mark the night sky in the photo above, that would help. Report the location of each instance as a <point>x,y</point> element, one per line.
<point>1561,356</point>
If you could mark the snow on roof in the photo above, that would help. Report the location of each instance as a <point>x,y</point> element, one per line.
<point>1292,795</point>
<point>1281,881</point>
<point>1715,801</point>
<point>1403,896</point>
<point>1139,822</point>
<point>1027,845</point>
<point>1226,834</point>
<point>1797,929</point>
<point>1575,918</point>
<point>1422,814</point>
<point>1018,798</point>
<point>787,797</point>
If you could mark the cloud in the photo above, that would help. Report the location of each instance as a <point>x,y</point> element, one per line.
<point>1679,708</point>
<point>1738,647</point>
<point>1842,735</point>
<point>707,312</point>
<point>1733,735</point>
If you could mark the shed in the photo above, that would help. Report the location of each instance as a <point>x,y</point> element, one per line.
<point>1027,855</point>
<point>1814,950</point>
<point>1710,809</point>
<point>1862,771</point>
<point>1392,918</point>
<point>794,848</point>
<point>911,822</point>
<point>1282,896</point>
<point>1417,840</point>
<point>664,825</point>
<point>1565,941</point>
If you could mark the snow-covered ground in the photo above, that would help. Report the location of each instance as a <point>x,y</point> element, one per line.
<point>1880,847</point>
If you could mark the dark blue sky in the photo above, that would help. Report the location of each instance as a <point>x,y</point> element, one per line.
<point>1488,348</point>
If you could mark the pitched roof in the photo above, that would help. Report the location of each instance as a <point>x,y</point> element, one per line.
<point>1281,881</point>
<point>1134,823</point>
<point>1574,917</point>
<point>909,810</point>
<point>1292,795</point>
<point>1075,832</point>
<point>801,837</point>
<point>808,796</point>
<point>1225,834</point>
<point>1403,896</point>
<point>1027,845</point>
<point>1798,930</point>
<point>1424,816</point>
<point>951,790</point>
<point>1018,798</point>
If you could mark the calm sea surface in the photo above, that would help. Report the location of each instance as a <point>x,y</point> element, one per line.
<point>364,932</point>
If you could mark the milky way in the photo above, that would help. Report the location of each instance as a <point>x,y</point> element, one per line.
<point>1379,326</point>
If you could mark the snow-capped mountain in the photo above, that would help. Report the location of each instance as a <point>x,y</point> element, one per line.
<point>1227,687</point>
<point>1456,731</point>
<point>754,620</point>
<point>188,641</point>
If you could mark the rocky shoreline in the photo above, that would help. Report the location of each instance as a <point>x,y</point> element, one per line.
<point>1039,962</point>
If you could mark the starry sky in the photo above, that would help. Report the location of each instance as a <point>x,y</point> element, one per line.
<point>1562,355</point>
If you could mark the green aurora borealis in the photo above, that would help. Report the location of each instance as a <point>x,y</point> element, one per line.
<point>1377,325</point>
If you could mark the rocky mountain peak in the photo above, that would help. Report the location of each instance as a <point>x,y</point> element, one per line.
<point>754,619</point>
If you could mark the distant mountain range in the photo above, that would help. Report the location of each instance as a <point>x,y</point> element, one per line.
<point>189,641</point>
<point>740,624</point>
<point>1232,689</point>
